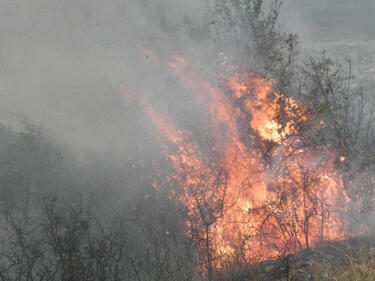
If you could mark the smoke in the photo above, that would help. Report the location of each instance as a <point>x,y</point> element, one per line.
<point>328,21</point>
<point>68,65</point>
<point>64,63</point>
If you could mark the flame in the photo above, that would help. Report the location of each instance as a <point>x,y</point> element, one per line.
<point>262,190</point>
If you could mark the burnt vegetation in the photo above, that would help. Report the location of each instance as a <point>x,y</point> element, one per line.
<point>67,221</point>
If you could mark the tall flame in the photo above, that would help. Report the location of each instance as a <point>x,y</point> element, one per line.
<point>263,190</point>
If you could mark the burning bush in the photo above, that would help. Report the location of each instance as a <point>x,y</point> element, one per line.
<point>254,186</point>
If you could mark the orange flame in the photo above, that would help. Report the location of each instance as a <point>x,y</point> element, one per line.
<point>263,190</point>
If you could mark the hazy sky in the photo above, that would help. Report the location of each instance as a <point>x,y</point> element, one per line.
<point>63,62</point>
<point>329,20</point>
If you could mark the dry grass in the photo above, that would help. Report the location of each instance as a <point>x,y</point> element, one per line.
<point>350,260</point>
<point>359,269</point>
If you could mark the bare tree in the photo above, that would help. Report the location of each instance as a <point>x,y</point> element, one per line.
<point>256,40</point>
<point>344,120</point>
<point>205,198</point>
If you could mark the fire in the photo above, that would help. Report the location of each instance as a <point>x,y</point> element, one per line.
<point>261,190</point>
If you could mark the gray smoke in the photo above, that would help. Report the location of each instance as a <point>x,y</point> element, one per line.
<point>63,63</point>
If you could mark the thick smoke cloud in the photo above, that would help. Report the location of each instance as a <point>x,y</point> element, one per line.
<point>63,63</point>
<point>67,66</point>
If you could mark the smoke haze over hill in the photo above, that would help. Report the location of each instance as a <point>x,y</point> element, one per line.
<point>63,62</point>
